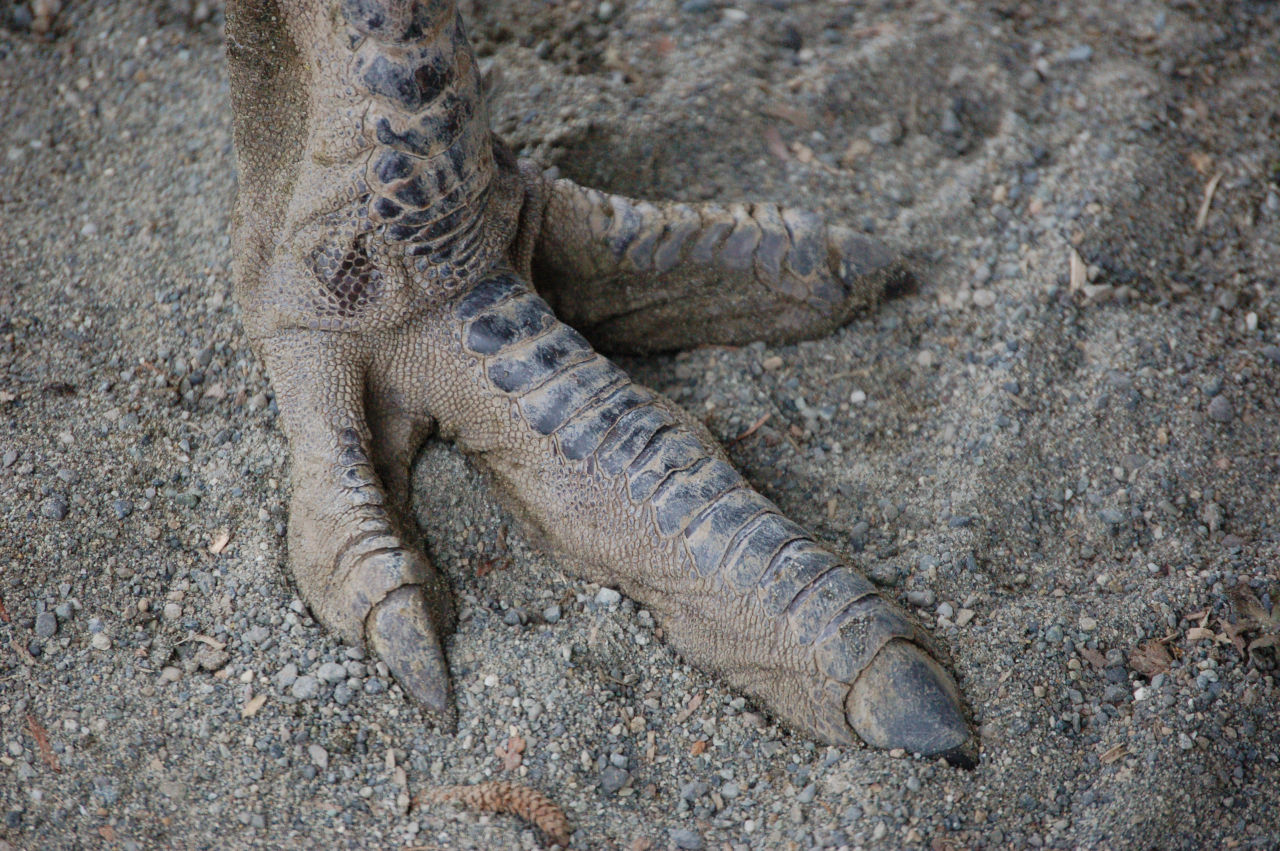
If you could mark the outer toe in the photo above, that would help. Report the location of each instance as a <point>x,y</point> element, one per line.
<point>904,699</point>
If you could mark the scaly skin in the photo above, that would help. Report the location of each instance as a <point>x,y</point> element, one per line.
<point>392,261</point>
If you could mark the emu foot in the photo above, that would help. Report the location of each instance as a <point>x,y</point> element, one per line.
<point>387,249</point>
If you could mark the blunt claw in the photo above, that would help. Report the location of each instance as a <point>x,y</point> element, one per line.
<point>904,699</point>
<point>401,632</point>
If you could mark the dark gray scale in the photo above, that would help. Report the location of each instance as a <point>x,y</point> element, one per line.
<point>640,252</point>
<point>750,557</point>
<point>413,82</point>
<point>529,365</point>
<point>792,571</point>
<point>739,247</point>
<point>459,243</point>
<point>395,20</point>
<point>568,392</point>
<point>667,254</point>
<point>625,227</point>
<point>707,246</point>
<point>392,165</point>
<point>486,294</point>
<point>629,435</point>
<point>772,249</point>
<point>626,443</point>
<point>829,596</point>
<point>854,637</point>
<point>714,530</point>
<point>807,251</point>
<point>584,433</point>
<point>666,452</point>
<point>682,495</point>
<point>509,323</point>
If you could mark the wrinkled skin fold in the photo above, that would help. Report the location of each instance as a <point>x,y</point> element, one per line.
<point>401,274</point>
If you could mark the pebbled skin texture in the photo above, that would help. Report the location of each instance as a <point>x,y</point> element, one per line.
<point>400,272</point>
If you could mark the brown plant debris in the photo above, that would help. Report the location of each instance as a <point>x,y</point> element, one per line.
<point>1254,617</point>
<point>1150,658</point>
<point>42,742</point>
<point>500,796</point>
<point>511,753</point>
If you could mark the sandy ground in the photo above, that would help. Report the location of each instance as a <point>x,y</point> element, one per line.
<point>1058,450</point>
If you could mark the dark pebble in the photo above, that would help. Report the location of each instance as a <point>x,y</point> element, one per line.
<point>612,779</point>
<point>54,508</point>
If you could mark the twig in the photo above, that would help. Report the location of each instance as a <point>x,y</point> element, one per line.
<point>1211,187</point>
<point>42,742</point>
<point>499,796</point>
<point>764,418</point>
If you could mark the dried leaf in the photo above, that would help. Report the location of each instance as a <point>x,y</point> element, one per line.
<point>510,753</point>
<point>1252,613</point>
<point>220,540</point>
<point>211,641</point>
<point>1113,754</point>
<point>1150,658</point>
<point>1271,639</point>
<point>107,832</point>
<point>692,707</point>
<point>251,708</point>
<point>499,796</point>
<point>1199,633</point>
<point>1202,217</point>
<point>789,114</point>
<point>1077,276</point>
<point>1236,634</point>
<point>698,748</point>
<point>42,742</point>
<point>777,147</point>
<point>1096,659</point>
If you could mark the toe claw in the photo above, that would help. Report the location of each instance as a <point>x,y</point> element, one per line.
<point>402,633</point>
<point>904,699</point>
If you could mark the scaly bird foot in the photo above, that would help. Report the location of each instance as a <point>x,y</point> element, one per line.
<point>381,236</point>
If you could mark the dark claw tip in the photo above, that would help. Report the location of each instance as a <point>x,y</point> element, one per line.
<point>401,633</point>
<point>904,699</point>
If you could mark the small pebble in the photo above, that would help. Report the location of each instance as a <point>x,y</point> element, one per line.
<point>1088,624</point>
<point>686,839</point>
<point>319,756</point>
<point>608,597</point>
<point>612,779</point>
<point>305,688</point>
<point>551,614</point>
<point>1220,410</point>
<point>100,641</point>
<point>54,508</point>
<point>287,675</point>
<point>46,624</point>
<point>332,672</point>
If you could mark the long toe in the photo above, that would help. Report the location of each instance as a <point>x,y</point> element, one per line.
<point>402,633</point>
<point>904,699</point>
